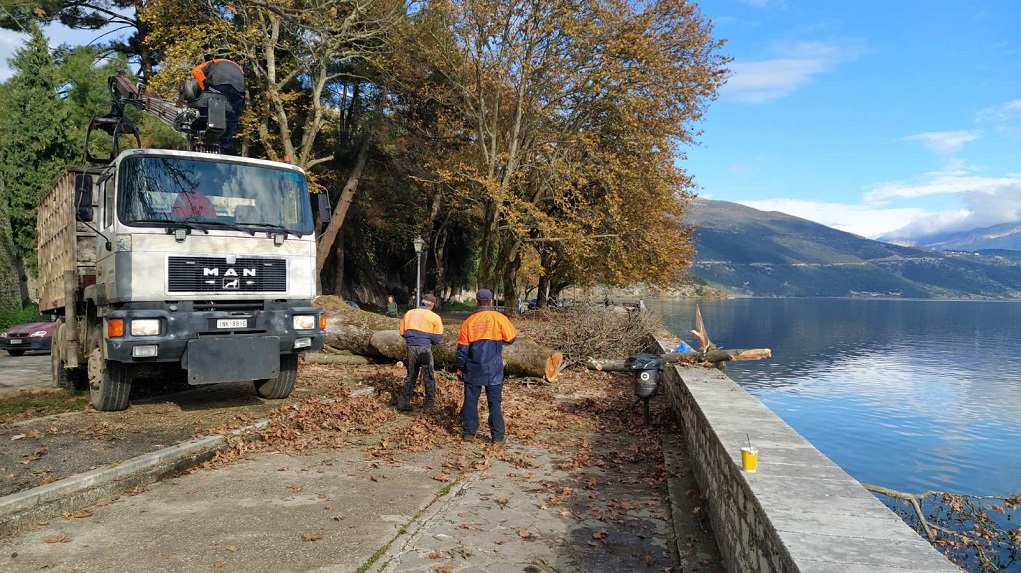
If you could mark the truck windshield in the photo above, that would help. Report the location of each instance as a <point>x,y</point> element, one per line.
<point>158,191</point>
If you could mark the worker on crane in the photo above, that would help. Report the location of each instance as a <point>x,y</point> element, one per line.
<point>223,76</point>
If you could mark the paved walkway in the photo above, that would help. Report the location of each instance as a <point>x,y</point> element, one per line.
<point>401,497</point>
<point>522,510</point>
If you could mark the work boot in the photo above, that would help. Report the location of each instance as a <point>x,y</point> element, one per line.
<point>430,405</point>
<point>403,404</point>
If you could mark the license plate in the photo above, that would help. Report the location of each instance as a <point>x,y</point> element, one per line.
<point>232,323</point>
<point>15,341</point>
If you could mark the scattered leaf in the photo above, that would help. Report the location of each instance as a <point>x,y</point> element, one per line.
<point>59,537</point>
<point>77,514</point>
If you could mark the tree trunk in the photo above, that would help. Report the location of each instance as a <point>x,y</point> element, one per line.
<point>376,336</point>
<point>541,289</point>
<point>713,356</point>
<point>510,277</point>
<point>340,212</point>
<point>19,267</point>
<point>338,280</point>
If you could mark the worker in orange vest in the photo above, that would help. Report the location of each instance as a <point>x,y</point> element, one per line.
<point>480,361</point>
<point>421,328</point>
<point>225,77</point>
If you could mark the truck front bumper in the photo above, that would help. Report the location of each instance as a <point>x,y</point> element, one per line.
<point>259,325</point>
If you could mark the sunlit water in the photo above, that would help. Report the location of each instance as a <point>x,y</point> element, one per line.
<point>912,395</point>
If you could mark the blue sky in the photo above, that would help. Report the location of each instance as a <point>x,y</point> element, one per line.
<point>878,117</point>
<point>896,117</point>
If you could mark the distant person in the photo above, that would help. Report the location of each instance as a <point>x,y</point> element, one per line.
<point>480,362</point>
<point>391,307</point>
<point>224,77</point>
<point>421,328</point>
<point>192,203</point>
<point>606,301</point>
<point>641,305</point>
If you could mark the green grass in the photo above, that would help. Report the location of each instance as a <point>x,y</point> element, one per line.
<point>451,306</point>
<point>26,404</point>
<point>12,315</point>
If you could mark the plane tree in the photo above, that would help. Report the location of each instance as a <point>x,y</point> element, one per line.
<point>574,113</point>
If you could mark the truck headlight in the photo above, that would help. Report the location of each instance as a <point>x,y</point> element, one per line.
<point>304,322</point>
<point>37,334</point>
<point>145,327</point>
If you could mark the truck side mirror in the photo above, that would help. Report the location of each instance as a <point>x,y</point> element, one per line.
<point>83,197</point>
<point>323,210</point>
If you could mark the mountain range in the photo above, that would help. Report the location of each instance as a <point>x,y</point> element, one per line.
<point>757,253</point>
<point>1002,236</point>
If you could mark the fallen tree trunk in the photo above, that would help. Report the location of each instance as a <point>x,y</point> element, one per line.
<point>523,358</point>
<point>376,336</point>
<point>714,356</point>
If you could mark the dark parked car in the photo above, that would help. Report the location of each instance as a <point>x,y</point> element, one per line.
<point>18,340</point>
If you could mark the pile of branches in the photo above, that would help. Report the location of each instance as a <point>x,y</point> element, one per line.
<point>972,530</point>
<point>581,333</point>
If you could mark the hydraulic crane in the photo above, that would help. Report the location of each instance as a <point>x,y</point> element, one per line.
<point>202,120</point>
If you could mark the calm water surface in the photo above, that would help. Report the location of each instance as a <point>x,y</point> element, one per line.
<point>912,395</point>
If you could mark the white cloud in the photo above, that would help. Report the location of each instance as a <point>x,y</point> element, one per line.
<point>861,220</point>
<point>985,201</point>
<point>946,183</point>
<point>796,65</point>
<point>944,142</point>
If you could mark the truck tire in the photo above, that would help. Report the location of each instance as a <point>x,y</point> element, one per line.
<point>283,384</point>
<point>62,376</point>
<point>109,381</point>
<point>16,352</point>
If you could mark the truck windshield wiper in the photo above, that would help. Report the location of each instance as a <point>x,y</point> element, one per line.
<point>235,226</point>
<point>172,223</point>
<point>272,227</point>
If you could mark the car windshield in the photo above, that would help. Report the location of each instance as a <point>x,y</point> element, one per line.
<point>159,191</point>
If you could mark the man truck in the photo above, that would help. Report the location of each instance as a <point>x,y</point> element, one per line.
<point>180,264</point>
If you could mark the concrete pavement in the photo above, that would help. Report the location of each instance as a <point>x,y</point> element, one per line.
<point>520,508</point>
<point>28,372</point>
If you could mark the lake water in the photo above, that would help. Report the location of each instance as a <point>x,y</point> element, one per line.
<point>906,394</point>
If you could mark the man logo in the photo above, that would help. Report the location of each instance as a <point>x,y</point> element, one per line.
<point>231,285</point>
<point>230,272</point>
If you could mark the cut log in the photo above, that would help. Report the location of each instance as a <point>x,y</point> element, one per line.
<point>376,336</point>
<point>525,357</point>
<point>714,356</point>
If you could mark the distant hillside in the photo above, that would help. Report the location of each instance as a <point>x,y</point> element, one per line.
<point>760,253</point>
<point>1003,236</point>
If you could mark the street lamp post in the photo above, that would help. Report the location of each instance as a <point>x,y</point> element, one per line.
<point>419,244</point>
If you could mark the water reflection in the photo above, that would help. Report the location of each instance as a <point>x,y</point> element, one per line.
<point>912,395</point>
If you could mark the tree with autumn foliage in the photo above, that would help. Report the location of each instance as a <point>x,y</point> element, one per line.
<point>573,114</point>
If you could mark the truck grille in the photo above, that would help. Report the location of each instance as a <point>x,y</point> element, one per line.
<point>213,274</point>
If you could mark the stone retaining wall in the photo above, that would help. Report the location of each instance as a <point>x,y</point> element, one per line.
<point>799,512</point>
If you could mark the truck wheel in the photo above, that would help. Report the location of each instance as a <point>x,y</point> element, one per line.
<point>283,384</point>
<point>16,352</point>
<point>61,376</point>
<point>109,382</point>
